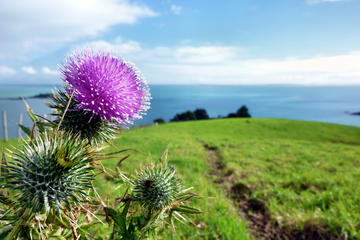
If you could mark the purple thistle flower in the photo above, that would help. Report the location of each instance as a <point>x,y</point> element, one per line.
<point>106,85</point>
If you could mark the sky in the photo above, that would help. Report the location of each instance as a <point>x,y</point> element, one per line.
<point>311,42</point>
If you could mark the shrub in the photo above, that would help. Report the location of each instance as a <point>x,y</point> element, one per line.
<point>185,116</point>
<point>243,112</point>
<point>159,121</point>
<point>232,115</point>
<point>201,114</point>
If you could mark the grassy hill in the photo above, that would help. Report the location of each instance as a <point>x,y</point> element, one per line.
<point>260,178</point>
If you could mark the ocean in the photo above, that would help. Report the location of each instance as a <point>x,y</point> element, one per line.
<point>330,104</point>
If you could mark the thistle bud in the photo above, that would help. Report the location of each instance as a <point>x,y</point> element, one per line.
<point>79,122</point>
<point>156,188</point>
<point>49,172</point>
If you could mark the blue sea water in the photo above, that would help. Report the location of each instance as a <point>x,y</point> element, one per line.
<point>314,103</point>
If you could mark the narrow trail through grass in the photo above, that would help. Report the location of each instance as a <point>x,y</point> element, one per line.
<point>260,223</point>
<point>260,178</point>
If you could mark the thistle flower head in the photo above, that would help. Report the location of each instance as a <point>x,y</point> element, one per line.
<point>49,172</point>
<point>156,187</point>
<point>79,122</point>
<point>106,86</point>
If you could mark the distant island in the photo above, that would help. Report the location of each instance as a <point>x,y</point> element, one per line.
<point>40,95</point>
<point>201,114</point>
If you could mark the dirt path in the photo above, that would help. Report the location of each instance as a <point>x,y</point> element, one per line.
<point>260,223</point>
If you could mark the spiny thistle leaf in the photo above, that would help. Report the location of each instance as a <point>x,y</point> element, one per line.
<point>5,231</point>
<point>79,122</point>
<point>25,129</point>
<point>33,116</point>
<point>3,167</point>
<point>49,172</point>
<point>119,218</point>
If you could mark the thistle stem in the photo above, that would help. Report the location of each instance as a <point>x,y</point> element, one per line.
<point>23,219</point>
<point>67,107</point>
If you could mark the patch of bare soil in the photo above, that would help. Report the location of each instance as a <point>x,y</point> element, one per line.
<point>260,223</point>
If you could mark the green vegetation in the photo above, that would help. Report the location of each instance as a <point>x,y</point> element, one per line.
<point>198,114</point>
<point>306,173</point>
<point>201,114</point>
<point>159,121</point>
<point>242,112</point>
<point>185,116</point>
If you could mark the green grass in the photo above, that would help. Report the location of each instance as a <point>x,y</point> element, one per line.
<point>307,173</point>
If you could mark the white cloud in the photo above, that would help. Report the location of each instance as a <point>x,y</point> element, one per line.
<point>206,54</point>
<point>29,28</point>
<point>176,9</point>
<point>28,70</point>
<point>214,64</point>
<point>48,71</point>
<point>118,47</point>
<point>185,54</point>
<point>6,71</point>
<point>311,2</point>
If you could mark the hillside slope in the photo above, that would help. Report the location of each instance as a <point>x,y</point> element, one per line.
<point>303,174</point>
<point>261,178</point>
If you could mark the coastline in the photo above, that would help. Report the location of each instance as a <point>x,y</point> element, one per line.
<point>37,96</point>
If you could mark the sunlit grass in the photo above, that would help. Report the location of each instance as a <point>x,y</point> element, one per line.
<point>306,172</point>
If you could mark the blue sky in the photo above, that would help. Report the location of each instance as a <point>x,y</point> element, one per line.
<point>313,42</point>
